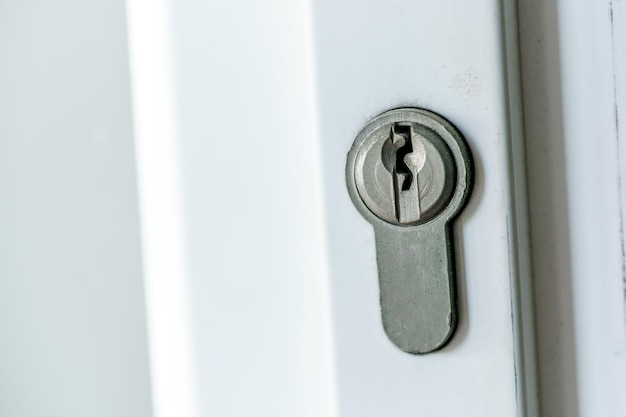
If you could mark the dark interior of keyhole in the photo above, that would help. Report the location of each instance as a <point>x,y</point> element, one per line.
<point>404,150</point>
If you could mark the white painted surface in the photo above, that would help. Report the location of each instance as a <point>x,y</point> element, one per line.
<point>445,56</point>
<point>574,93</point>
<point>547,185</point>
<point>262,292</point>
<point>595,196</point>
<point>162,219</point>
<point>242,94</point>
<point>261,281</point>
<point>72,323</point>
<point>260,93</point>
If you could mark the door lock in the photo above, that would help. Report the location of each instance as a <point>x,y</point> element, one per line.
<point>409,173</point>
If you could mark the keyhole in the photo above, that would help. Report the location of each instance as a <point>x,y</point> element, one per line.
<point>405,149</point>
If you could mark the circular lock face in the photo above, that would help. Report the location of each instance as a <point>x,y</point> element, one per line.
<point>408,166</point>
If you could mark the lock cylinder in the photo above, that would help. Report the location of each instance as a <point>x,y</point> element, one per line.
<point>409,173</point>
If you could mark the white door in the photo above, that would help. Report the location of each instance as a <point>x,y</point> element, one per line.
<point>177,237</point>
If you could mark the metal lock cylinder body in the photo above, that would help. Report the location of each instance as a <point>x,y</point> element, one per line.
<point>409,173</point>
